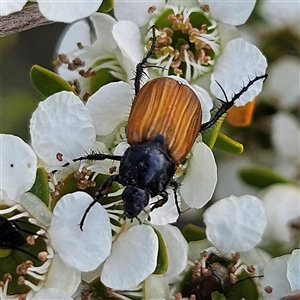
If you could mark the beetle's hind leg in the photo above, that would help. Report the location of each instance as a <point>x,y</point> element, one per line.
<point>160,202</point>
<point>175,185</point>
<point>225,105</point>
<point>165,197</point>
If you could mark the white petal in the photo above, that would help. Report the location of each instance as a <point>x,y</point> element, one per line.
<point>18,166</point>
<point>166,214</point>
<point>61,123</point>
<point>136,11</point>
<point>84,250</point>
<point>128,38</point>
<point>256,257</point>
<point>282,204</point>
<point>104,24</point>
<point>230,12</point>
<point>196,247</point>
<point>110,106</point>
<point>133,258</point>
<point>51,293</point>
<point>62,276</point>
<point>156,288</point>
<point>75,33</point>
<point>200,179</point>
<point>293,270</point>
<point>275,277</point>
<point>177,248</point>
<point>36,208</point>
<point>67,11</point>
<point>239,62</point>
<point>279,86</point>
<point>286,135</point>
<point>121,148</point>
<point>11,6</point>
<point>206,102</point>
<point>235,223</point>
<point>281,13</point>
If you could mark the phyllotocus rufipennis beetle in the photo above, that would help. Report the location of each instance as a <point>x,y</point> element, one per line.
<point>12,236</point>
<point>164,122</point>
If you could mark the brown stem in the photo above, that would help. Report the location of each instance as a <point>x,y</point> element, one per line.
<point>29,17</point>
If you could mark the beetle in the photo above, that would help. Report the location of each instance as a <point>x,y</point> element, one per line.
<point>218,276</point>
<point>163,124</point>
<point>12,237</point>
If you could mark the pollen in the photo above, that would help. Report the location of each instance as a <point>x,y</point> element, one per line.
<point>23,267</point>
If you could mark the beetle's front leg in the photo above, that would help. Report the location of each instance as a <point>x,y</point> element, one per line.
<point>102,191</point>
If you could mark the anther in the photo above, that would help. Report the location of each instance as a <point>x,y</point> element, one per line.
<point>23,267</point>
<point>268,289</point>
<point>151,9</point>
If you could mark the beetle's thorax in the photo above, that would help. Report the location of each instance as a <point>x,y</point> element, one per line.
<point>147,166</point>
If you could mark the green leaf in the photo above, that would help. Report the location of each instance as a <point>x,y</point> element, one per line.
<point>102,77</point>
<point>48,82</point>
<point>217,296</point>
<point>40,187</point>
<point>106,6</point>
<point>227,144</point>
<point>162,256</point>
<point>192,232</point>
<point>260,177</point>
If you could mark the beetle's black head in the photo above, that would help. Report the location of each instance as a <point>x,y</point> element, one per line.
<point>135,200</point>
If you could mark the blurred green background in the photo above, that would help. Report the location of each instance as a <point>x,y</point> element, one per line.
<point>18,53</point>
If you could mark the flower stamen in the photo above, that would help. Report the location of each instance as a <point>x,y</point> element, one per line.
<point>186,40</point>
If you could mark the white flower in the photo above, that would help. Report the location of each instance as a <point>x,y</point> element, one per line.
<point>61,124</point>
<point>17,168</point>
<point>234,228</point>
<point>128,260</point>
<point>49,274</point>
<point>196,44</point>
<point>282,203</point>
<point>21,211</point>
<point>281,276</point>
<point>235,223</point>
<point>101,58</point>
<point>59,11</point>
<point>279,88</point>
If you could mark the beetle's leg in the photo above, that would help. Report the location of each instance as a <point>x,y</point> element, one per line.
<point>160,202</point>
<point>139,71</point>
<point>96,156</point>
<point>175,185</point>
<point>228,104</point>
<point>102,191</point>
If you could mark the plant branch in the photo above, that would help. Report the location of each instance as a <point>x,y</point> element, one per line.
<point>29,17</point>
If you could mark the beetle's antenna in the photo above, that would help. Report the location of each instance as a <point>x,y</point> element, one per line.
<point>228,104</point>
<point>223,91</point>
<point>139,71</point>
